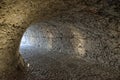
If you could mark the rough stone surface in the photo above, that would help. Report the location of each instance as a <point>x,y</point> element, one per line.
<point>89,29</point>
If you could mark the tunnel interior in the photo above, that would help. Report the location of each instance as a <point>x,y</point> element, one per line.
<point>66,47</point>
<point>60,40</point>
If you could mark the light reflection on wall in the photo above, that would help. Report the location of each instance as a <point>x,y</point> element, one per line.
<point>24,41</point>
<point>28,39</point>
<point>50,41</point>
<point>43,37</point>
<point>78,41</point>
<point>38,36</point>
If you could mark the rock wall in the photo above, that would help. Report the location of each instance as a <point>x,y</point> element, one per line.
<point>96,20</point>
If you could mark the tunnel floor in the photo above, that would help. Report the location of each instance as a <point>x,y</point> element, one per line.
<point>53,65</point>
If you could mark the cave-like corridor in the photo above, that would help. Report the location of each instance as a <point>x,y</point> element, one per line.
<point>59,39</point>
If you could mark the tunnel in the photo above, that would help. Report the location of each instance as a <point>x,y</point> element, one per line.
<point>60,40</point>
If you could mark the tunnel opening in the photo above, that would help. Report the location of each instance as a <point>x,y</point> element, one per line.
<point>54,49</point>
<point>34,42</point>
<point>41,38</point>
<point>48,46</point>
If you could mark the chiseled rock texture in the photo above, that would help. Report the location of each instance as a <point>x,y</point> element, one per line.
<point>88,29</point>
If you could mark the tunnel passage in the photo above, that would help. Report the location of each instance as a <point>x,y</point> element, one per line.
<point>48,43</point>
<point>71,47</point>
<point>63,46</point>
<point>89,46</point>
<point>47,37</point>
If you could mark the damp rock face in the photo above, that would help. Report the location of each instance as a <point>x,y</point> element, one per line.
<point>89,29</point>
